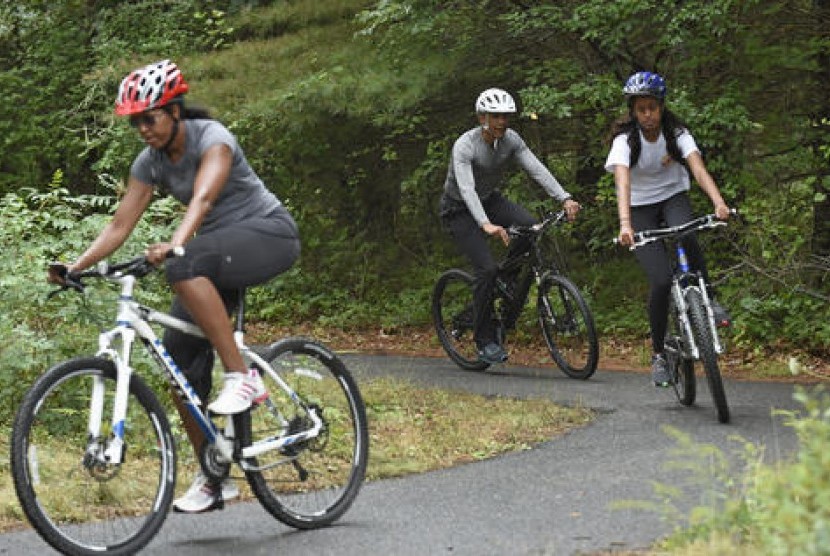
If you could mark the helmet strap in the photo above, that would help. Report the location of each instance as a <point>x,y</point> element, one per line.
<point>173,133</point>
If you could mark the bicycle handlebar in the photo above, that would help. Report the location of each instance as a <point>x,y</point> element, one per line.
<point>701,223</point>
<point>551,218</point>
<point>137,266</point>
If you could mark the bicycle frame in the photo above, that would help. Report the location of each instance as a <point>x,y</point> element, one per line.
<point>518,261</point>
<point>133,319</point>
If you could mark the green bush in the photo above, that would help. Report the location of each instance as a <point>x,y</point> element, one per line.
<point>37,228</point>
<point>770,509</point>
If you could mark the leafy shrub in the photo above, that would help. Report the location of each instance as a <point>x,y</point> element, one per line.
<point>777,509</point>
<point>35,229</point>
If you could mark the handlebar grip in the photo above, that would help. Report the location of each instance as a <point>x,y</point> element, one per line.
<point>70,280</point>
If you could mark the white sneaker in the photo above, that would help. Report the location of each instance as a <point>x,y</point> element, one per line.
<point>239,391</point>
<point>203,497</point>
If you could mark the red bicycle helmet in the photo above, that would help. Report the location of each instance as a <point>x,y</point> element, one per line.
<point>152,86</point>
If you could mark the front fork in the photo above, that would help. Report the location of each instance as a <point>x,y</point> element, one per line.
<point>678,294</point>
<point>690,346</point>
<point>113,448</point>
<point>710,317</point>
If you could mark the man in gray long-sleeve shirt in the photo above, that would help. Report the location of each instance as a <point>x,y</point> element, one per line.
<point>472,208</point>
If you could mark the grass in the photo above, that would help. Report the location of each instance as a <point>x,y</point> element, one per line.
<point>296,54</point>
<point>412,430</point>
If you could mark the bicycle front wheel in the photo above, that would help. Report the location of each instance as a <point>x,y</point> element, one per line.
<point>681,368</point>
<point>77,500</point>
<point>567,326</point>
<point>452,315</point>
<point>309,483</point>
<point>708,356</point>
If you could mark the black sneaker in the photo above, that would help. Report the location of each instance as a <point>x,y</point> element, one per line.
<point>660,370</point>
<point>722,318</point>
<point>492,353</point>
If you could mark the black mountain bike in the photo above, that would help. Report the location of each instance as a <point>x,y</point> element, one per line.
<point>692,334</point>
<point>566,320</point>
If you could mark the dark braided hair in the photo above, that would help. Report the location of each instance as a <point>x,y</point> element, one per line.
<point>670,124</point>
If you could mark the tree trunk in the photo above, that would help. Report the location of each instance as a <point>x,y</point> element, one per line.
<point>821,209</point>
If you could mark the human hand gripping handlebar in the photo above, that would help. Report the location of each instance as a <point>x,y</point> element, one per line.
<point>550,219</point>
<point>138,266</point>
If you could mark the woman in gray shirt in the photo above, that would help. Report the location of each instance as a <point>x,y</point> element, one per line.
<point>235,233</point>
<point>472,208</point>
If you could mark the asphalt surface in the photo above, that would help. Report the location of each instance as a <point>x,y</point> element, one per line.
<point>571,495</point>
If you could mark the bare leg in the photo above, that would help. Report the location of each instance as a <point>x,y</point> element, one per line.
<point>191,427</point>
<point>201,299</point>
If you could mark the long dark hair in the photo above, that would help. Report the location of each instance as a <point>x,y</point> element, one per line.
<point>189,111</point>
<point>186,112</point>
<point>670,124</point>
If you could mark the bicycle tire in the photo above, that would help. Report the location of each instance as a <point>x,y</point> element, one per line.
<point>452,315</point>
<point>312,483</point>
<point>708,356</point>
<point>681,368</point>
<point>76,504</point>
<point>568,326</point>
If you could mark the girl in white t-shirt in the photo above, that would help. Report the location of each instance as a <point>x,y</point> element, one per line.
<point>652,156</point>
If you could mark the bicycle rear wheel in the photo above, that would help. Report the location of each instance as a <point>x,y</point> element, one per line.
<point>567,326</point>
<point>77,501</point>
<point>682,370</point>
<point>452,315</point>
<point>708,356</point>
<point>311,483</point>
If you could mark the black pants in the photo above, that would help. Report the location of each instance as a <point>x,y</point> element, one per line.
<point>656,262</point>
<point>474,244</point>
<point>243,254</point>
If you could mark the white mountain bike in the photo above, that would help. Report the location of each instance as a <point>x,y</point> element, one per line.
<point>93,456</point>
<point>692,333</point>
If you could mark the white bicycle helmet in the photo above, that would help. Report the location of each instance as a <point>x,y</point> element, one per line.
<point>495,101</point>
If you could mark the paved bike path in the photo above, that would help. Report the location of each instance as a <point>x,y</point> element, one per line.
<point>559,498</point>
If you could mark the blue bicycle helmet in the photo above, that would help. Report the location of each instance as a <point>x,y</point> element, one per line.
<point>645,83</point>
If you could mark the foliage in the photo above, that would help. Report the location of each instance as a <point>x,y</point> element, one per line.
<point>36,228</point>
<point>774,509</point>
<point>348,109</point>
<point>61,66</point>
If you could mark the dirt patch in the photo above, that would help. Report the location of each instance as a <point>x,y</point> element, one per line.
<point>615,354</point>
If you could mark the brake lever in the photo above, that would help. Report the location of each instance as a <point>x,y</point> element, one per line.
<point>69,281</point>
<point>69,284</point>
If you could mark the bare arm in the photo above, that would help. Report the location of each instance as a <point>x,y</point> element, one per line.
<point>707,184</point>
<point>214,169</point>
<point>213,173</point>
<point>622,179</point>
<point>119,228</point>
